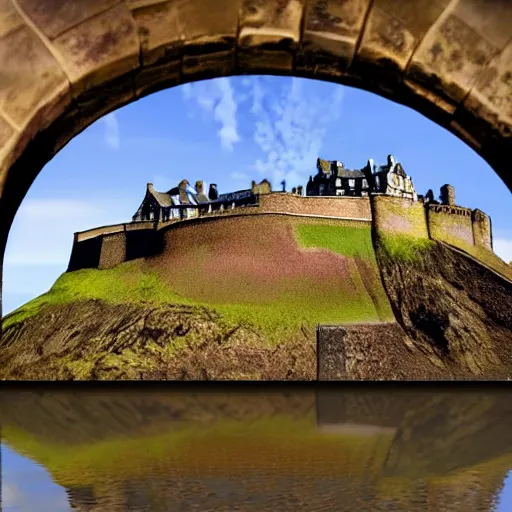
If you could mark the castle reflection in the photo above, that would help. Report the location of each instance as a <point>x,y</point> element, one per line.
<point>267,448</point>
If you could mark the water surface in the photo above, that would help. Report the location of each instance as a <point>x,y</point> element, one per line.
<point>256,449</point>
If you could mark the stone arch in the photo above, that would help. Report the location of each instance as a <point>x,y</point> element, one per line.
<point>65,64</point>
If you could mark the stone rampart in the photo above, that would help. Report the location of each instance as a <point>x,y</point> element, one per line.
<point>482,229</point>
<point>85,254</point>
<point>107,246</point>
<point>100,231</point>
<point>113,250</point>
<point>348,207</point>
<point>398,216</point>
<point>451,224</point>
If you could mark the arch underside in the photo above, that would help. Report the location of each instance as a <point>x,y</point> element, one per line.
<point>65,64</point>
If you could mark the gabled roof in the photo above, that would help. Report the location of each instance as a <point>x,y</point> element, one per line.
<point>162,198</point>
<point>324,165</point>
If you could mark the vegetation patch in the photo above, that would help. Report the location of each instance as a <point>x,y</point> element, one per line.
<point>279,309</point>
<point>404,247</point>
<point>347,241</point>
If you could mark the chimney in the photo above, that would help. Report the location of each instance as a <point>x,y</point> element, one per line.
<point>447,195</point>
<point>150,187</point>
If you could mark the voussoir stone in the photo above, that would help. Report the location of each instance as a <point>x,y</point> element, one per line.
<point>386,37</point>
<point>209,22</point>
<point>455,54</point>
<point>100,48</point>
<point>53,17</point>
<point>6,132</point>
<point>30,74</point>
<point>160,31</point>
<point>10,19</point>
<point>263,22</point>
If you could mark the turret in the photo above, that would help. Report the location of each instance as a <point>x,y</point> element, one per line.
<point>447,195</point>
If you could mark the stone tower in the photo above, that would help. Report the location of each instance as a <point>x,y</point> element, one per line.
<point>448,195</point>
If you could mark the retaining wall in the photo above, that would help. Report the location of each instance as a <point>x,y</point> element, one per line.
<point>113,250</point>
<point>349,207</point>
<point>398,216</point>
<point>451,224</point>
<point>482,229</point>
<point>107,246</point>
<point>85,254</point>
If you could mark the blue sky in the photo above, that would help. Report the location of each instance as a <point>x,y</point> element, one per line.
<point>27,486</point>
<point>230,131</point>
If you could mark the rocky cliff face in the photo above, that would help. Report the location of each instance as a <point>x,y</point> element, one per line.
<point>453,320</point>
<point>454,310</point>
<point>91,339</point>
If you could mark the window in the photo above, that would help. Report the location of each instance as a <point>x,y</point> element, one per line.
<point>338,182</point>
<point>365,183</point>
<point>351,183</point>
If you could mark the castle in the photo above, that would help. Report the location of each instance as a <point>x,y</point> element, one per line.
<point>332,179</point>
<point>380,196</point>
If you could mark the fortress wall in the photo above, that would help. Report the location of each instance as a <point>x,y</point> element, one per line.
<point>85,254</point>
<point>451,224</point>
<point>113,250</point>
<point>351,207</point>
<point>142,243</point>
<point>482,231</point>
<point>103,230</point>
<point>135,226</point>
<point>398,216</point>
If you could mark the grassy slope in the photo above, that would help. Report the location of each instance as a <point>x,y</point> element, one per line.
<point>303,302</point>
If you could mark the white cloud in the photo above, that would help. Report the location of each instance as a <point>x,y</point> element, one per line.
<point>42,231</point>
<point>503,248</point>
<point>216,98</point>
<point>111,135</point>
<point>290,127</point>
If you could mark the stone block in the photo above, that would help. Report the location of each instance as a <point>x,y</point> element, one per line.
<point>53,17</point>
<point>29,75</point>
<point>10,20</point>
<point>160,31</point>
<point>99,49</point>
<point>450,58</point>
<point>270,24</point>
<point>331,32</point>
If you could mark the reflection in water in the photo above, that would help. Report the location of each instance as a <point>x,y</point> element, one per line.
<point>264,448</point>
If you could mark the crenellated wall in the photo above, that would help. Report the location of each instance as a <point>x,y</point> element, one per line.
<point>451,224</point>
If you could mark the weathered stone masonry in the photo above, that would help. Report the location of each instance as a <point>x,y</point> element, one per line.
<point>465,229</point>
<point>109,246</point>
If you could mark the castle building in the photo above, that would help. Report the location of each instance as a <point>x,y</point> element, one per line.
<point>185,201</point>
<point>162,206</point>
<point>332,179</point>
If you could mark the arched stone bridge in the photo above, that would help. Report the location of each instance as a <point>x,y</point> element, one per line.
<point>65,63</point>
